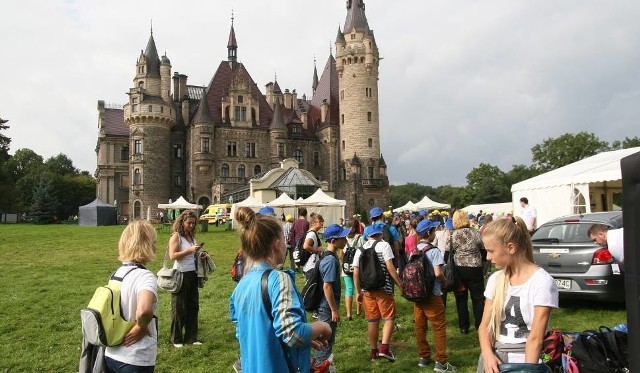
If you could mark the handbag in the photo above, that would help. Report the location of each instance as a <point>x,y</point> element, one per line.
<point>169,279</point>
<point>449,269</point>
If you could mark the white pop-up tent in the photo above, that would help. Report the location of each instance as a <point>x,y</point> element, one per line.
<point>319,202</point>
<point>587,185</point>
<point>491,208</point>
<point>250,202</point>
<point>180,203</point>
<point>427,204</point>
<point>283,205</point>
<point>409,206</point>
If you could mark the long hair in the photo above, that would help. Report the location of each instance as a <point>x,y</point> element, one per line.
<point>505,231</point>
<point>257,233</point>
<point>354,224</point>
<point>137,243</point>
<point>178,225</point>
<point>460,220</point>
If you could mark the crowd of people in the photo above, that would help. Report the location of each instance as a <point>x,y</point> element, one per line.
<point>510,314</point>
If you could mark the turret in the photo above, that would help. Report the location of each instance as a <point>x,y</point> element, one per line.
<point>232,45</point>
<point>165,78</point>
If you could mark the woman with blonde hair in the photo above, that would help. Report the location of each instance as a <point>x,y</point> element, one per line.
<point>139,301</point>
<point>519,298</point>
<point>271,327</point>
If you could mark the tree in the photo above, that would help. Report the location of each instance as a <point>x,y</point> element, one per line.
<point>60,165</point>
<point>488,184</point>
<point>566,149</point>
<point>520,172</point>
<point>626,143</point>
<point>43,207</point>
<point>4,141</point>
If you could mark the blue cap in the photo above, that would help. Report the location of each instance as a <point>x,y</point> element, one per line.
<point>335,231</point>
<point>375,212</point>
<point>372,230</point>
<point>448,224</point>
<point>423,212</point>
<point>267,210</point>
<point>471,216</point>
<point>412,216</point>
<point>426,225</point>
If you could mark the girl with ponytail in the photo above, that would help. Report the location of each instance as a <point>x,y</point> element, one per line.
<point>519,298</point>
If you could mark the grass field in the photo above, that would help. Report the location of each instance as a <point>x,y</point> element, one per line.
<point>48,273</point>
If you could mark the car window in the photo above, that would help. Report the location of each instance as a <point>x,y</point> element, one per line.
<point>563,233</point>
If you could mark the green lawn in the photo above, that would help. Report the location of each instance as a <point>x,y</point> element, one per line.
<point>48,273</point>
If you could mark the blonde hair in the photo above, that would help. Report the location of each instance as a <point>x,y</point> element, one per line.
<point>257,232</point>
<point>504,232</point>
<point>178,225</point>
<point>137,242</point>
<point>460,220</point>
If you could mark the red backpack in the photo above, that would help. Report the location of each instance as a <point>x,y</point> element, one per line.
<point>418,276</point>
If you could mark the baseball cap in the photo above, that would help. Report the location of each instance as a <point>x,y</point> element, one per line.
<point>375,212</point>
<point>423,212</point>
<point>335,231</point>
<point>426,225</point>
<point>372,230</point>
<point>448,224</point>
<point>267,210</point>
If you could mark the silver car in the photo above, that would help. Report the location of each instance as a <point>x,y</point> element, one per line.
<point>581,268</point>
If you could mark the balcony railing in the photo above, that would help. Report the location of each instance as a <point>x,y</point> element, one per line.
<point>371,182</point>
<point>233,180</point>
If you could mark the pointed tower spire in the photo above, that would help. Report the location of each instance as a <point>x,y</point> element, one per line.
<point>232,45</point>
<point>355,16</point>
<point>203,115</point>
<point>277,123</point>
<point>153,60</point>
<point>314,85</point>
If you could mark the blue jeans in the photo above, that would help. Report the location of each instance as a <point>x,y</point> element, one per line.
<point>324,314</point>
<point>114,366</point>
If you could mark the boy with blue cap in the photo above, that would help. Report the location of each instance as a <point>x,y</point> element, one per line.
<point>329,308</point>
<point>378,304</point>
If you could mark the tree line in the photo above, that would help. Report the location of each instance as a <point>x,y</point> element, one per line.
<point>487,183</point>
<point>45,190</point>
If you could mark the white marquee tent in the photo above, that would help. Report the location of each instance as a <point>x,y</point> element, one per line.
<point>409,206</point>
<point>587,185</point>
<point>491,208</point>
<point>427,204</point>
<point>180,203</point>
<point>319,202</point>
<point>284,205</point>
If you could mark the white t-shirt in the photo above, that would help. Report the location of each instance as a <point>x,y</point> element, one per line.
<point>384,252</point>
<point>186,263</point>
<point>539,290</point>
<point>615,243</point>
<point>312,259</point>
<point>528,214</point>
<point>143,352</point>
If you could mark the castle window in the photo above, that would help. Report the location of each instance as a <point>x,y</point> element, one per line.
<point>353,36</point>
<point>361,59</point>
<point>224,170</point>
<point>134,105</point>
<point>316,159</point>
<point>342,94</point>
<point>206,145</point>
<point>177,180</point>
<point>137,177</point>
<point>343,145</point>
<point>124,181</point>
<point>342,118</point>
<point>369,116</point>
<point>370,172</point>
<point>124,153</point>
<point>140,84</point>
<point>349,60</point>
<point>241,113</point>
<point>298,156</point>
<point>281,150</point>
<point>370,143</point>
<point>369,44</point>
<point>344,173</point>
<point>137,210</point>
<point>231,149</point>
<point>137,146</point>
<point>296,128</point>
<point>161,109</point>
<point>240,99</point>
<point>177,151</point>
<point>368,92</point>
<point>257,170</point>
<point>251,149</point>
<point>150,108</point>
<point>241,171</point>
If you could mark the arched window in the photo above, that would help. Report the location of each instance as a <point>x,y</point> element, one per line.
<point>137,210</point>
<point>298,156</point>
<point>137,177</point>
<point>141,84</point>
<point>349,60</point>
<point>204,201</point>
<point>257,170</point>
<point>224,170</point>
<point>361,59</point>
<point>241,171</point>
<point>343,145</point>
<point>370,142</point>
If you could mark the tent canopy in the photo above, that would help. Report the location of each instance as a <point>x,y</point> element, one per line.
<point>180,203</point>
<point>428,204</point>
<point>283,201</point>
<point>491,208</point>
<point>320,198</point>
<point>319,202</point>
<point>97,213</point>
<point>409,206</point>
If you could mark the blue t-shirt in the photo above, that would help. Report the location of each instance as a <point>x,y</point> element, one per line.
<point>330,272</point>
<point>259,337</point>
<point>394,232</point>
<point>435,256</point>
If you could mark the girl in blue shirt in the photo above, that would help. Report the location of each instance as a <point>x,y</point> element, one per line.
<point>270,343</point>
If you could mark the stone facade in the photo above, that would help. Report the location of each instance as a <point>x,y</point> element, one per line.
<point>206,143</point>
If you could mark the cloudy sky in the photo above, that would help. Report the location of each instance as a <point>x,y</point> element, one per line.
<point>461,82</point>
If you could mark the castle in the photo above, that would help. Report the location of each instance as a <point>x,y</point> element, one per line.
<point>208,143</point>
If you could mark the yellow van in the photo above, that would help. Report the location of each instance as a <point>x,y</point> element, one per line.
<point>216,214</point>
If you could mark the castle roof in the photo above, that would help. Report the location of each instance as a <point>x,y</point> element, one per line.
<point>113,123</point>
<point>276,88</point>
<point>356,19</point>
<point>277,123</point>
<point>153,61</point>
<point>340,37</point>
<point>327,90</point>
<point>314,85</point>
<point>203,115</point>
<point>232,43</point>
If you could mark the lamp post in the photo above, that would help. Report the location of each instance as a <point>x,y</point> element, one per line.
<point>115,204</point>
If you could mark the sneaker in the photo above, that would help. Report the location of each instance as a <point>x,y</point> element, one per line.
<point>197,343</point>
<point>387,355</point>
<point>322,367</point>
<point>424,362</point>
<point>178,345</point>
<point>374,354</point>
<point>237,366</point>
<point>396,327</point>
<point>446,367</point>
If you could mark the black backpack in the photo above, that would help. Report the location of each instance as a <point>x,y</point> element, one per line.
<point>418,277</point>
<point>386,235</point>
<point>347,258</point>
<point>237,269</point>
<point>312,291</point>
<point>371,273</point>
<point>300,255</point>
<point>601,351</point>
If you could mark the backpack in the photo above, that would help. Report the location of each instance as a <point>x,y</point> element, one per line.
<point>312,291</point>
<point>601,351</point>
<point>237,269</point>
<point>552,349</point>
<point>347,258</point>
<point>371,273</point>
<point>418,277</point>
<point>300,255</point>
<point>102,322</point>
<point>449,269</point>
<point>386,235</point>
<point>266,301</point>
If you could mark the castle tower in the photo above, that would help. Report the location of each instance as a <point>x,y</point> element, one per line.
<point>277,135</point>
<point>150,116</point>
<point>357,61</point>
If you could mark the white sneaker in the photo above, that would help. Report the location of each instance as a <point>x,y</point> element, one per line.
<point>178,345</point>
<point>197,343</point>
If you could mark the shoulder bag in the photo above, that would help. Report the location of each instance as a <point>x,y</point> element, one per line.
<point>169,279</point>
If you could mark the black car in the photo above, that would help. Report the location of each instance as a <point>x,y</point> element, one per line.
<point>581,268</point>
